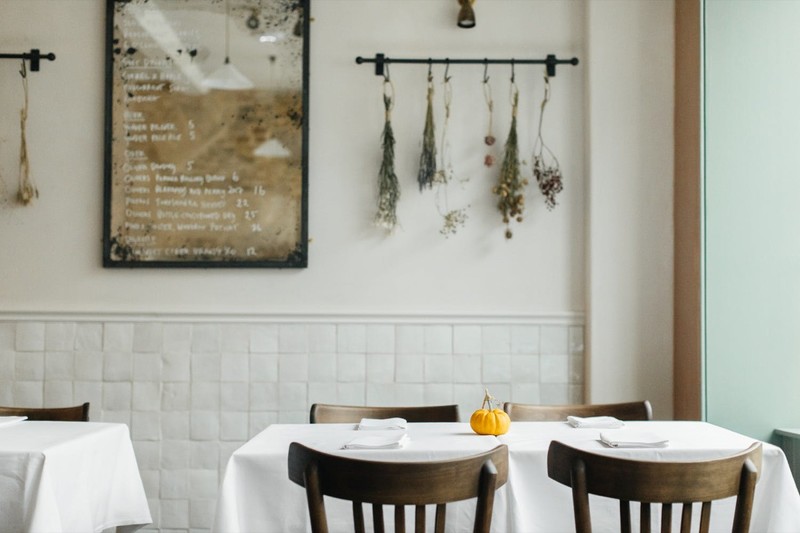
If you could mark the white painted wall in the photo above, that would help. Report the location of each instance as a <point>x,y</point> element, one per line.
<point>609,121</point>
<point>630,233</point>
<point>353,267</point>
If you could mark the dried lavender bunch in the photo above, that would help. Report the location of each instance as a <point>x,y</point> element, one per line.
<point>388,185</point>
<point>510,187</point>
<point>427,160</point>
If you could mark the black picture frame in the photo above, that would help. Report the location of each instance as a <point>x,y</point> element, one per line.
<point>226,228</point>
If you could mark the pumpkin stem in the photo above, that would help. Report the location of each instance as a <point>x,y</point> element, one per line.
<point>487,398</point>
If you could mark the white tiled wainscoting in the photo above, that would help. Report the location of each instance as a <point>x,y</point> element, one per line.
<point>193,389</point>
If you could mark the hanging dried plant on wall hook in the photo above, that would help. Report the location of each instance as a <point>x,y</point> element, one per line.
<point>453,219</point>
<point>489,138</point>
<point>27,190</point>
<point>510,187</point>
<point>388,186</point>
<point>545,164</point>
<point>445,168</point>
<point>427,159</point>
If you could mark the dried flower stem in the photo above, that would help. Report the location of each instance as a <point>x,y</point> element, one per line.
<point>548,174</point>
<point>452,219</point>
<point>427,160</point>
<point>388,186</point>
<point>510,187</point>
<point>27,190</point>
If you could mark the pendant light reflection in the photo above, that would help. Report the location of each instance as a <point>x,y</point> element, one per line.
<point>227,77</point>
<point>466,15</point>
<point>273,147</point>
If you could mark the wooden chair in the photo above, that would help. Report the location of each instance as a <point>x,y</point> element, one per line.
<point>342,414</point>
<point>656,482</point>
<point>78,413</point>
<point>398,483</point>
<point>624,411</point>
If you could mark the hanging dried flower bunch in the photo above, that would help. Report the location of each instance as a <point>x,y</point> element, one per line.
<point>27,190</point>
<point>427,160</point>
<point>388,186</point>
<point>545,165</point>
<point>453,219</point>
<point>510,187</point>
<point>489,138</point>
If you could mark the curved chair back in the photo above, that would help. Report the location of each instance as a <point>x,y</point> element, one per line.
<point>623,411</point>
<point>326,413</point>
<point>398,484</point>
<point>78,413</point>
<point>656,482</point>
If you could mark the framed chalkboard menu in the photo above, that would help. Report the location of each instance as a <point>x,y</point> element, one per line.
<point>206,133</point>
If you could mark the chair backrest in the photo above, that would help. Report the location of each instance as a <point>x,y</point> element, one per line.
<point>342,414</point>
<point>657,482</point>
<point>624,411</point>
<point>77,413</point>
<point>398,484</point>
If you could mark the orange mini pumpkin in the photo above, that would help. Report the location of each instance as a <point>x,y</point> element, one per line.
<point>488,421</point>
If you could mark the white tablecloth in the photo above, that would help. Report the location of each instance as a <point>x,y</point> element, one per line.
<point>256,494</point>
<point>69,477</point>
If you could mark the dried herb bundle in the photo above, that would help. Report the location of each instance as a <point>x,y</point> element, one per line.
<point>510,187</point>
<point>388,186</point>
<point>27,190</point>
<point>545,165</point>
<point>427,160</point>
<point>452,219</point>
<point>489,138</point>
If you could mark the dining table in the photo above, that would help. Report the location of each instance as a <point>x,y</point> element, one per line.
<point>69,477</point>
<point>257,495</point>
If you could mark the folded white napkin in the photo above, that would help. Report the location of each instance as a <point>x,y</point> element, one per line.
<point>388,441</point>
<point>383,423</point>
<point>627,438</point>
<point>8,420</point>
<point>596,422</point>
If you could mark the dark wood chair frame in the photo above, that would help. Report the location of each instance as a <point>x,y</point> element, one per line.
<point>624,411</point>
<point>77,413</point>
<point>398,484</point>
<point>657,482</point>
<point>326,413</point>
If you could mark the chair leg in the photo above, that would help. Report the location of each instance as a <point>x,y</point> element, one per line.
<point>441,512</point>
<point>625,516</point>
<point>358,518</point>
<point>580,498</point>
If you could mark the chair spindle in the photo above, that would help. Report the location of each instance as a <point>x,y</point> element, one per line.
<point>686,518</point>
<point>645,518</point>
<point>399,518</point>
<point>419,519</point>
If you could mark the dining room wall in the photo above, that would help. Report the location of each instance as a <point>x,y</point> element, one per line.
<point>576,306</point>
